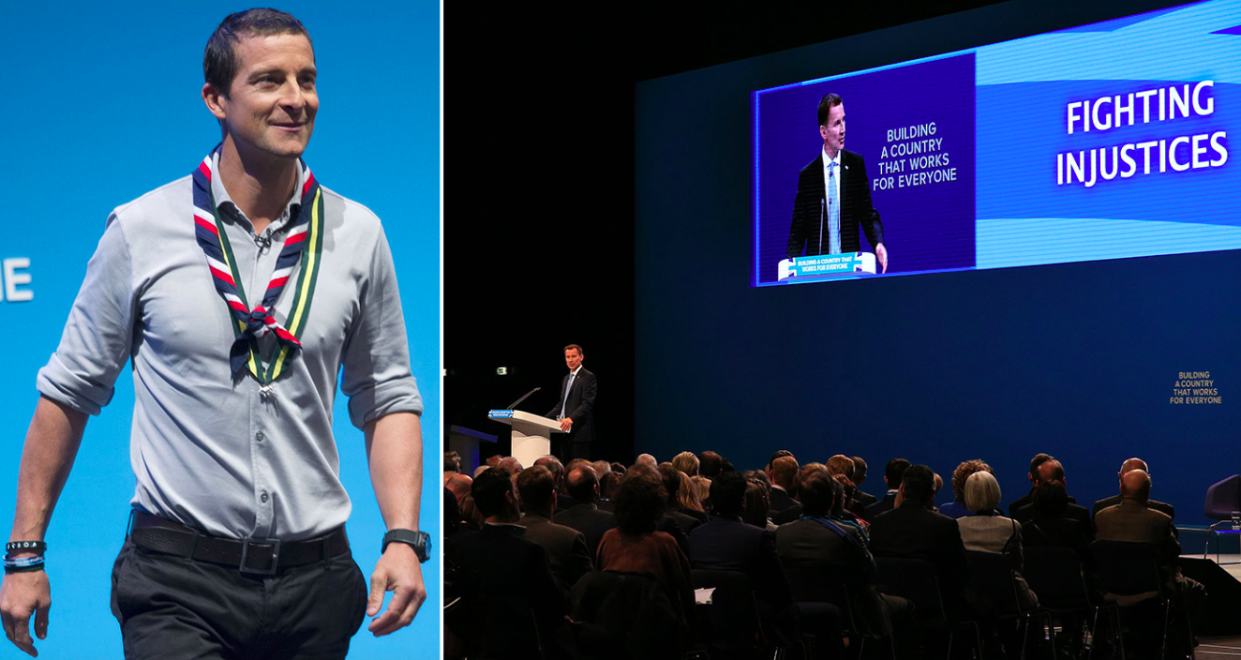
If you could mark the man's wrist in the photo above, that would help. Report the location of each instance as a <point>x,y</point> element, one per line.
<point>419,541</point>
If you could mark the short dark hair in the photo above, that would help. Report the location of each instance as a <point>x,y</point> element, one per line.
<point>452,461</point>
<point>826,104</point>
<point>894,471</point>
<point>671,479</point>
<point>582,483</point>
<point>488,491</point>
<point>728,494</point>
<point>220,60</point>
<point>535,485</point>
<point>1038,460</point>
<point>639,504</point>
<point>607,485</point>
<point>571,347</point>
<point>919,484</point>
<point>779,453</point>
<point>710,464</point>
<point>817,493</point>
<point>859,469</point>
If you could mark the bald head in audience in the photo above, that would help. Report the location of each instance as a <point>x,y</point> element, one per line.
<point>647,459</point>
<point>583,484</point>
<point>459,484</point>
<point>1136,485</point>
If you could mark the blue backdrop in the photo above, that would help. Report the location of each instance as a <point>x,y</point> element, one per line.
<point>100,105</point>
<point>1081,360</point>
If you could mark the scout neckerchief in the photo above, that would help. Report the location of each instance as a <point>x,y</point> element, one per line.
<point>305,235</point>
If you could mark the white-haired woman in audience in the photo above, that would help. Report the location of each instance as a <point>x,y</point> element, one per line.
<point>988,531</point>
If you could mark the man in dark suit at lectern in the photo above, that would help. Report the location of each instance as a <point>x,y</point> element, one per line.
<point>574,408</point>
<point>833,196</point>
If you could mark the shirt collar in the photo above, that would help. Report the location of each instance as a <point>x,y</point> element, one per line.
<point>221,195</point>
<point>574,372</point>
<point>827,160</point>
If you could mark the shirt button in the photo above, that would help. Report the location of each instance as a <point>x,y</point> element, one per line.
<point>259,436</point>
<point>263,497</point>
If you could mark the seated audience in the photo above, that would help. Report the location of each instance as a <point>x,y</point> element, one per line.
<point>1134,520</point>
<point>702,489</point>
<point>688,501</point>
<point>1125,468</point>
<point>794,511</point>
<point>956,508</point>
<point>608,482</point>
<point>756,508</point>
<point>686,462</point>
<point>563,501</point>
<point>710,464</point>
<point>861,499</point>
<point>459,486</point>
<point>988,531</point>
<point>782,473</point>
<point>565,546</point>
<point>1051,526</point>
<point>1049,471</point>
<point>647,459</point>
<point>672,480</point>
<point>840,464</point>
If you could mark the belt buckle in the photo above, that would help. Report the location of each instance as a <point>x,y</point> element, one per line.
<point>245,553</point>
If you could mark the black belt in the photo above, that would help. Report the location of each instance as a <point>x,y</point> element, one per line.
<point>263,556</point>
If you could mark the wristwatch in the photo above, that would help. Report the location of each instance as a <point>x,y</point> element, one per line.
<point>419,541</point>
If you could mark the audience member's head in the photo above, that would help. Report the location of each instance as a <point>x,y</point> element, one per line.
<point>574,462</point>
<point>618,468</point>
<point>537,488</point>
<point>554,466</point>
<point>1050,470</point>
<point>602,468</point>
<point>459,485</point>
<point>686,462</point>
<point>511,464</point>
<point>963,472</point>
<point>783,472</point>
<point>818,493</point>
<point>710,464</point>
<point>1136,485</point>
<point>894,472</point>
<point>1051,500</point>
<point>1038,460</point>
<point>939,483</point>
<point>918,484</point>
<point>687,495</point>
<point>470,513</point>
<point>647,459</point>
<point>780,453</point>
<point>702,486</point>
<point>840,464</point>
<point>481,469</point>
<point>671,479</point>
<point>803,471</point>
<point>452,461</point>
<point>493,495</point>
<point>859,471</point>
<point>607,485</point>
<point>982,491</point>
<point>728,494</point>
<point>639,504</point>
<point>757,506</point>
<point>759,477</point>
<point>1131,465</point>
<point>583,485</point>
<point>494,460</point>
<point>847,489</point>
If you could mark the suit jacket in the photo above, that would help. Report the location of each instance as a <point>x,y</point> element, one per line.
<point>504,576</point>
<point>578,405</point>
<point>808,545</point>
<point>1027,500</point>
<point>1060,532</point>
<point>565,546</point>
<point>1116,499</point>
<point>809,219</point>
<point>721,544</point>
<point>1136,523</point>
<point>1075,512</point>
<point>582,516</point>
<point>780,500</point>
<point>862,500</point>
<point>882,506</point>
<point>912,530</point>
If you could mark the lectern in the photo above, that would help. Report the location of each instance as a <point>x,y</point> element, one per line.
<point>532,434</point>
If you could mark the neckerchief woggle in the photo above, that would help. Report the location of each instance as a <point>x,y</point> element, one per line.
<point>303,242</point>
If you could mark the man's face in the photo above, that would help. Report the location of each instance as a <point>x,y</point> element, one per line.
<point>833,131</point>
<point>271,104</point>
<point>573,358</point>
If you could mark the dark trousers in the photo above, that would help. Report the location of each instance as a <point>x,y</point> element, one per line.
<point>174,607</point>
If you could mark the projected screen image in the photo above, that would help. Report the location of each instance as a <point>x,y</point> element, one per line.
<point>1104,141</point>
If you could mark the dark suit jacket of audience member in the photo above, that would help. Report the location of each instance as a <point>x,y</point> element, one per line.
<point>1116,499</point>
<point>721,544</point>
<point>563,502</point>
<point>912,530</point>
<point>862,500</point>
<point>810,546</point>
<point>780,500</point>
<point>1073,512</point>
<point>1026,500</point>
<point>582,516</point>
<point>667,524</point>
<point>686,521</point>
<point>882,506</point>
<point>1058,531</point>
<point>1132,522</point>
<point>502,576</point>
<point>565,546</point>
<point>786,516</point>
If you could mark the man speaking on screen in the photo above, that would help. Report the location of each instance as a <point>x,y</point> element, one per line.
<point>833,198</point>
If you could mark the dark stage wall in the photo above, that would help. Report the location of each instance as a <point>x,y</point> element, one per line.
<point>1076,360</point>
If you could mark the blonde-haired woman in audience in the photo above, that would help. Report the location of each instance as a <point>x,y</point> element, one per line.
<point>686,462</point>
<point>687,498</point>
<point>988,531</point>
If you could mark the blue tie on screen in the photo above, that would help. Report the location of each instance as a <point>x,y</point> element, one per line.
<point>833,211</point>
<point>568,386</point>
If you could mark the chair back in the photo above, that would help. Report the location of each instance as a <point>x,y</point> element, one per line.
<point>1127,569</point>
<point>732,618</point>
<point>915,580</point>
<point>991,577</point>
<point>1224,498</point>
<point>629,615</point>
<point>1055,574</point>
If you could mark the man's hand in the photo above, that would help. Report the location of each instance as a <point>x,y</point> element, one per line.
<point>881,253</point>
<point>398,571</point>
<point>21,595</point>
<point>566,424</point>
